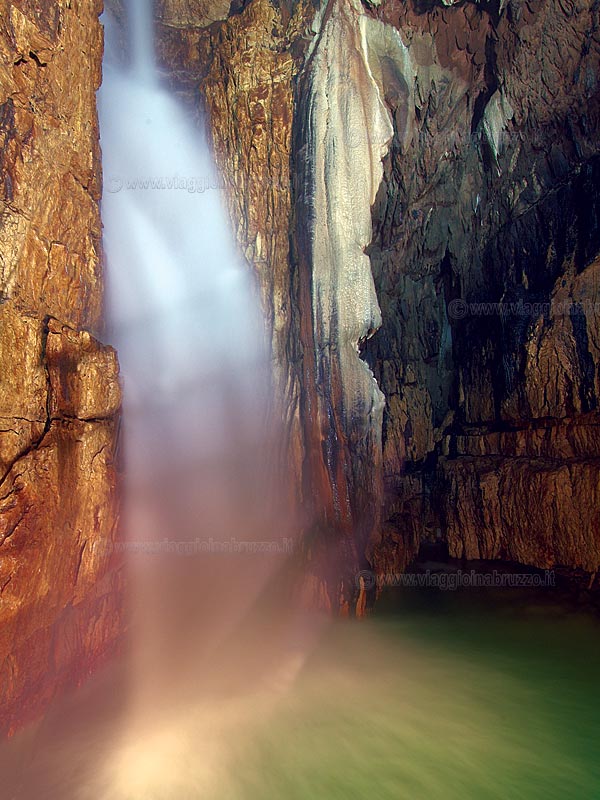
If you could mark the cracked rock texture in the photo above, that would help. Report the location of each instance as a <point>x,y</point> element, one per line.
<point>60,583</point>
<point>485,265</point>
<point>482,249</point>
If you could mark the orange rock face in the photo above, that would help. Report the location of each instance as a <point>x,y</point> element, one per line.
<point>60,586</point>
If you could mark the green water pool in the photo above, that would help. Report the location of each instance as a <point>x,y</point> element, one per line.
<point>439,696</point>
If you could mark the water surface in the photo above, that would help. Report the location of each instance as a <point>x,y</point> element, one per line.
<point>438,696</point>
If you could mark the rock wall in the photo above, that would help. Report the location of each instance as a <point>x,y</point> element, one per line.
<point>60,581</point>
<point>479,259</point>
<point>478,262</point>
<point>485,267</point>
<point>343,131</point>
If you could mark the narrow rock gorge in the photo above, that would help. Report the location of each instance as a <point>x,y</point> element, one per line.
<point>416,186</point>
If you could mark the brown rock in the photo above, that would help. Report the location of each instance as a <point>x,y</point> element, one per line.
<point>480,202</point>
<point>60,585</point>
<point>188,14</point>
<point>50,232</point>
<point>83,375</point>
<point>533,511</point>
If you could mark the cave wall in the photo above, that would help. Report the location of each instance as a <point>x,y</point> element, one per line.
<point>485,263</point>
<point>471,129</point>
<point>60,580</point>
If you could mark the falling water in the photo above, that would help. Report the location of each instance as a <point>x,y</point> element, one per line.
<point>180,304</point>
<point>183,315</point>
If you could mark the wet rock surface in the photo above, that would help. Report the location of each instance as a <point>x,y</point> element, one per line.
<point>487,272</point>
<point>483,239</point>
<point>60,583</point>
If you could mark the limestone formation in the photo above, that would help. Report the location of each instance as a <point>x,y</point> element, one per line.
<point>60,582</point>
<point>486,217</point>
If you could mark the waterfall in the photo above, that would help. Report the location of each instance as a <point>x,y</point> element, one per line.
<point>142,40</point>
<point>184,317</point>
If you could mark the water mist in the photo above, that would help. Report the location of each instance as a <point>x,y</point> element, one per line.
<point>200,534</point>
